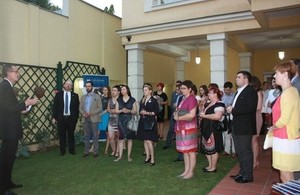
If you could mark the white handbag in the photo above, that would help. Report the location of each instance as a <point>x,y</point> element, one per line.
<point>268,143</point>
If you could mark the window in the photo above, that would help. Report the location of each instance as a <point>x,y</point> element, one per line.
<point>152,5</point>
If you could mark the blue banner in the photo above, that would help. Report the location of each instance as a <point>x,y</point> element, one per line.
<point>98,80</point>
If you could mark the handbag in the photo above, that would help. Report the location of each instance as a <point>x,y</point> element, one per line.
<point>220,125</point>
<point>133,123</point>
<point>268,143</point>
<point>148,123</point>
<point>182,112</point>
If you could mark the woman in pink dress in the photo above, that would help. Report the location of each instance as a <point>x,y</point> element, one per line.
<point>186,129</point>
<point>286,123</point>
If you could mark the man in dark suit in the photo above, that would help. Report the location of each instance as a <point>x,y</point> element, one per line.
<point>296,79</point>
<point>243,114</point>
<point>10,125</point>
<point>65,115</point>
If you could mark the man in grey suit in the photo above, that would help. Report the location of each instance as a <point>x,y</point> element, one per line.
<point>243,115</point>
<point>90,108</point>
<point>10,126</point>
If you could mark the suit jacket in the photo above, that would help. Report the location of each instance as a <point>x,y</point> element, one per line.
<point>58,107</point>
<point>96,107</point>
<point>10,112</point>
<point>244,112</point>
<point>296,83</point>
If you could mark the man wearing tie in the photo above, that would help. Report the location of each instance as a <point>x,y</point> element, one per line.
<point>90,108</point>
<point>243,115</point>
<point>10,126</point>
<point>65,115</point>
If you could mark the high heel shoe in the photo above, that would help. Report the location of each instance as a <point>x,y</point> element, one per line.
<point>152,164</point>
<point>213,171</point>
<point>116,160</point>
<point>146,161</point>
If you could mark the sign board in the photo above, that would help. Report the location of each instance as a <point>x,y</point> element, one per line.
<point>98,80</point>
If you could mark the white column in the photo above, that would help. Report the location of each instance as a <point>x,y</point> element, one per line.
<point>179,69</point>
<point>218,58</point>
<point>245,61</point>
<point>136,69</point>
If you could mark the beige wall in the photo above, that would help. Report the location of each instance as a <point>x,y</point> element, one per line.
<point>184,12</point>
<point>200,74</point>
<point>159,68</point>
<point>30,35</point>
<point>265,60</point>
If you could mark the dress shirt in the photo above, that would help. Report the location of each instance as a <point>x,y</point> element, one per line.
<point>69,101</point>
<point>238,92</point>
<point>9,82</point>
<point>88,102</point>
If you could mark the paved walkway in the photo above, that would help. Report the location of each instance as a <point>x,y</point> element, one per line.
<point>264,176</point>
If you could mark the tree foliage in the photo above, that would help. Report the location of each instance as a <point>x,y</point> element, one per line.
<point>110,10</point>
<point>44,4</point>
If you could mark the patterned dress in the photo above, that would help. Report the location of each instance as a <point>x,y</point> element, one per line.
<point>186,131</point>
<point>113,117</point>
<point>211,140</point>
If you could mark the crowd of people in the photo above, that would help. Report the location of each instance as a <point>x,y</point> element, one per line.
<point>212,123</point>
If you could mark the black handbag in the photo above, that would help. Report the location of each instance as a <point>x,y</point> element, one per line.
<point>220,125</point>
<point>148,123</point>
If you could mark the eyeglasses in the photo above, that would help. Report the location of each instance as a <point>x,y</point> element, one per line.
<point>16,71</point>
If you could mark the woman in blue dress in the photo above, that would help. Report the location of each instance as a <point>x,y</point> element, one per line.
<point>104,115</point>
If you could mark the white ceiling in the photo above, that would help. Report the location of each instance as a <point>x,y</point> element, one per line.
<point>253,41</point>
<point>266,37</point>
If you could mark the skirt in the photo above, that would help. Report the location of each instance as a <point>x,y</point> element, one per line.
<point>286,154</point>
<point>187,140</point>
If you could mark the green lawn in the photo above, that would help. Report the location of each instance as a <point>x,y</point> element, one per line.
<point>49,173</point>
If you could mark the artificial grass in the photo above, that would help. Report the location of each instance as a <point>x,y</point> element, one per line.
<point>48,173</point>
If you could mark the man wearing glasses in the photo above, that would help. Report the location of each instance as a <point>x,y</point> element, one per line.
<point>10,126</point>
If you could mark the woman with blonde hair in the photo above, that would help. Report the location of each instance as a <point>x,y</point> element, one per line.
<point>286,123</point>
<point>147,129</point>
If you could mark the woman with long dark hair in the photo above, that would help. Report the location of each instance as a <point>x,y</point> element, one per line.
<point>113,120</point>
<point>126,108</point>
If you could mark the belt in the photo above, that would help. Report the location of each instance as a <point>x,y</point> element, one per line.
<point>67,116</point>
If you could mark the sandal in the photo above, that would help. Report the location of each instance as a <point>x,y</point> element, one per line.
<point>129,159</point>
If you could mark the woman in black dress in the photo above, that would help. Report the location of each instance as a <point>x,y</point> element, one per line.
<point>211,139</point>
<point>126,107</point>
<point>148,133</point>
<point>162,99</point>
